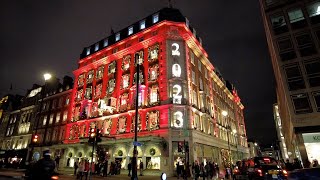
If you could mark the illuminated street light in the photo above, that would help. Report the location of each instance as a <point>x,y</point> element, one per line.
<point>256,144</point>
<point>234,131</point>
<point>47,76</point>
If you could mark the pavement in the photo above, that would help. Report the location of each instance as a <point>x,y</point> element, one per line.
<point>67,175</point>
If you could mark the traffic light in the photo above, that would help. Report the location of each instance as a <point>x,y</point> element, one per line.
<point>99,135</point>
<point>35,138</point>
<point>92,135</point>
<point>186,146</point>
<point>180,147</point>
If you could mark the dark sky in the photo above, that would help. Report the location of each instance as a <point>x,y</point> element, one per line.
<point>38,36</point>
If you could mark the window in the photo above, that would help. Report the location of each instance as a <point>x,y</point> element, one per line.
<point>294,77</point>
<point>126,62</point>
<point>206,73</point>
<point>199,65</point>
<point>305,45</point>
<point>286,51</point>
<point>65,115</point>
<point>301,103</point>
<point>90,76</point>
<point>295,15</point>
<point>153,52</point>
<point>193,74</point>
<point>130,30</point>
<point>81,80</point>
<point>105,43</point>
<point>200,84</point>
<point>51,119</point>
<point>111,85</point>
<point>124,102</point>
<point>88,94</point>
<point>98,90</point>
<point>54,103</point>
<point>67,100</point>
<point>155,18</point>
<point>138,57</point>
<point>142,24</point>
<point>125,81</point>
<point>194,98</point>
<point>279,24</point>
<point>88,51</point>
<point>316,96</point>
<point>117,36</point>
<point>196,122</point>
<point>44,121</point>
<point>58,117</point>
<point>154,97</point>
<point>112,67</point>
<point>192,57</point>
<point>153,73</point>
<point>314,11</point>
<point>313,72</point>
<point>60,102</point>
<point>100,72</point>
<point>96,47</point>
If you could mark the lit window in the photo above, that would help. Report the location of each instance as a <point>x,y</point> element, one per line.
<point>314,9</point>
<point>65,115</point>
<point>142,24</point>
<point>130,30</point>
<point>98,90</point>
<point>154,94</point>
<point>153,73</point>
<point>192,58</point>
<point>100,72</point>
<point>155,18</point>
<point>153,120</point>
<point>96,47</point>
<point>111,85</point>
<point>67,100</point>
<point>112,67</point>
<point>199,65</point>
<point>88,50</point>
<point>117,36</point>
<point>44,122</point>
<point>125,81</point>
<point>58,117</point>
<point>51,119</point>
<point>105,43</point>
<point>126,62</point>
<point>193,77</point>
<point>295,15</point>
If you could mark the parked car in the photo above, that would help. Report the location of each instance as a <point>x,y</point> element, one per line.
<point>259,168</point>
<point>305,174</point>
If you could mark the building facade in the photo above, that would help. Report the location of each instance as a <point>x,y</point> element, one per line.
<point>292,31</point>
<point>181,97</point>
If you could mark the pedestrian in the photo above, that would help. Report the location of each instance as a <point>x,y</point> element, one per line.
<point>44,168</point>
<point>141,168</point>
<point>208,170</point>
<point>57,160</point>
<point>105,168</point>
<point>288,165</point>
<point>75,166</point>
<point>80,170</point>
<point>129,168</point>
<point>196,170</point>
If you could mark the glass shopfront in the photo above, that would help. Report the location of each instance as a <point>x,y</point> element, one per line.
<point>312,144</point>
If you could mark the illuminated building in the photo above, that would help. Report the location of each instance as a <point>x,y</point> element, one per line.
<point>292,31</point>
<point>181,97</point>
<point>278,123</point>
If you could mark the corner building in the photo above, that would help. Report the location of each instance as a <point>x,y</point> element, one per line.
<point>181,97</point>
<point>293,36</point>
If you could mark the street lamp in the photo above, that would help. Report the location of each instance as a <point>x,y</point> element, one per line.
<point>46,77</point>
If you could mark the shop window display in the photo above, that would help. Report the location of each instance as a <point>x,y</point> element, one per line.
<point>124,102</point>
<point>107,126</point>
<point>122,125</point>
<point>154,95</point>
<point>126,62</point>
<point>81,80</point>
<point>111,85</point>
<point>153,162</point>
<point>139,58</point>
<point>153,72</point>
<point>112,67</point>
<point>125,81</point>
<point>100,72</point>
<point>153,52</point>
<point>153,120</point>
<point>139,123</point>
<point>79,95</point>
<point>98,90</point>
<point>90,76</point>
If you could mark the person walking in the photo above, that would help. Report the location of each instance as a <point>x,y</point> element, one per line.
<point>80,170</point>
<point>75,166</point>
<point>129,168</point>
<point>105,168</point>
<point>44,168</point>
<point>141,168</point>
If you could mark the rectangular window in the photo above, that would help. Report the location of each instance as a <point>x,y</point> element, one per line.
<point>199,65</point>
<point>130,30</point>
<point>316,96</point>
<point>194,97</point>
<point>54,104</point>
<point>192,57</point>
<point>155,18</point>
<point>58,117</point>
<point>200,84</point>
<point>206,73</point>
<point>51,119</point>
<point>294,77</point>
<point>193,77</point>
<point>279,24</point>
<point>65,115</point>
<point>306,45</point>
<point>67,101</point>
<point>44,121</point>
<point>295,15</point>
<point>301,103</point>
<point>117,36</point>
<point>314,12</point>
<point>60,102</point>
<point>88,51</point>
<point>105,43</point>
<point>313,72</point>
<point>96,47</point>
<point>142,24</point>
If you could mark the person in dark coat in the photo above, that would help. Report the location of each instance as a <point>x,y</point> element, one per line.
<point>44,168</point>
<point>75,166</point>
<point>141,168</point>
<point>129,168</point>
<point>105,168</point>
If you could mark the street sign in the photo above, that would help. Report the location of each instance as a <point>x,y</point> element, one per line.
<point>136,143</point>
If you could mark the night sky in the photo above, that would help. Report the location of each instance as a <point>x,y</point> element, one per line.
<point>48,36</point>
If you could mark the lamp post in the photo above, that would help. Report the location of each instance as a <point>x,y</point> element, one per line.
<point>46,77</point>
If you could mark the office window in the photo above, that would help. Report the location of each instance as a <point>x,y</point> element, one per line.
<point>58,117</point>
<point>301,103</point>
<point>142,24</point>
<point>313,72</point>
<point>279,24</point>
<point>295,15</point>
<point>117,36</point>
<point>88,51</point>
<point>130,30</point>
<point>96,47</point>
<point>314,12</point>
<point>105,43</point>
<point>286,50</point>
<point>305,45</point>
<point>316,96</point>
<point>155,18</point>
<point>294,77</point>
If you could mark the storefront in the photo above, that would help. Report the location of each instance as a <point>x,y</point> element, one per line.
<point>312,144</point>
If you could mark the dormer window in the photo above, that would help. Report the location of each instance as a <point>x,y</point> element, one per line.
<point>105,43</point>
<point>96,47</point>
<point>117,36</point>
<point>88,51</point>
<point>155,18</point>
<point>130,30</point>
<point>142,24</point>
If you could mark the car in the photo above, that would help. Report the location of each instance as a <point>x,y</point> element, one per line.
<point>259,168</point>
<point>305,174</point>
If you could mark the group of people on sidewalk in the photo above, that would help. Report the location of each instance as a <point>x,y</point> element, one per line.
<point>209,170</point>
